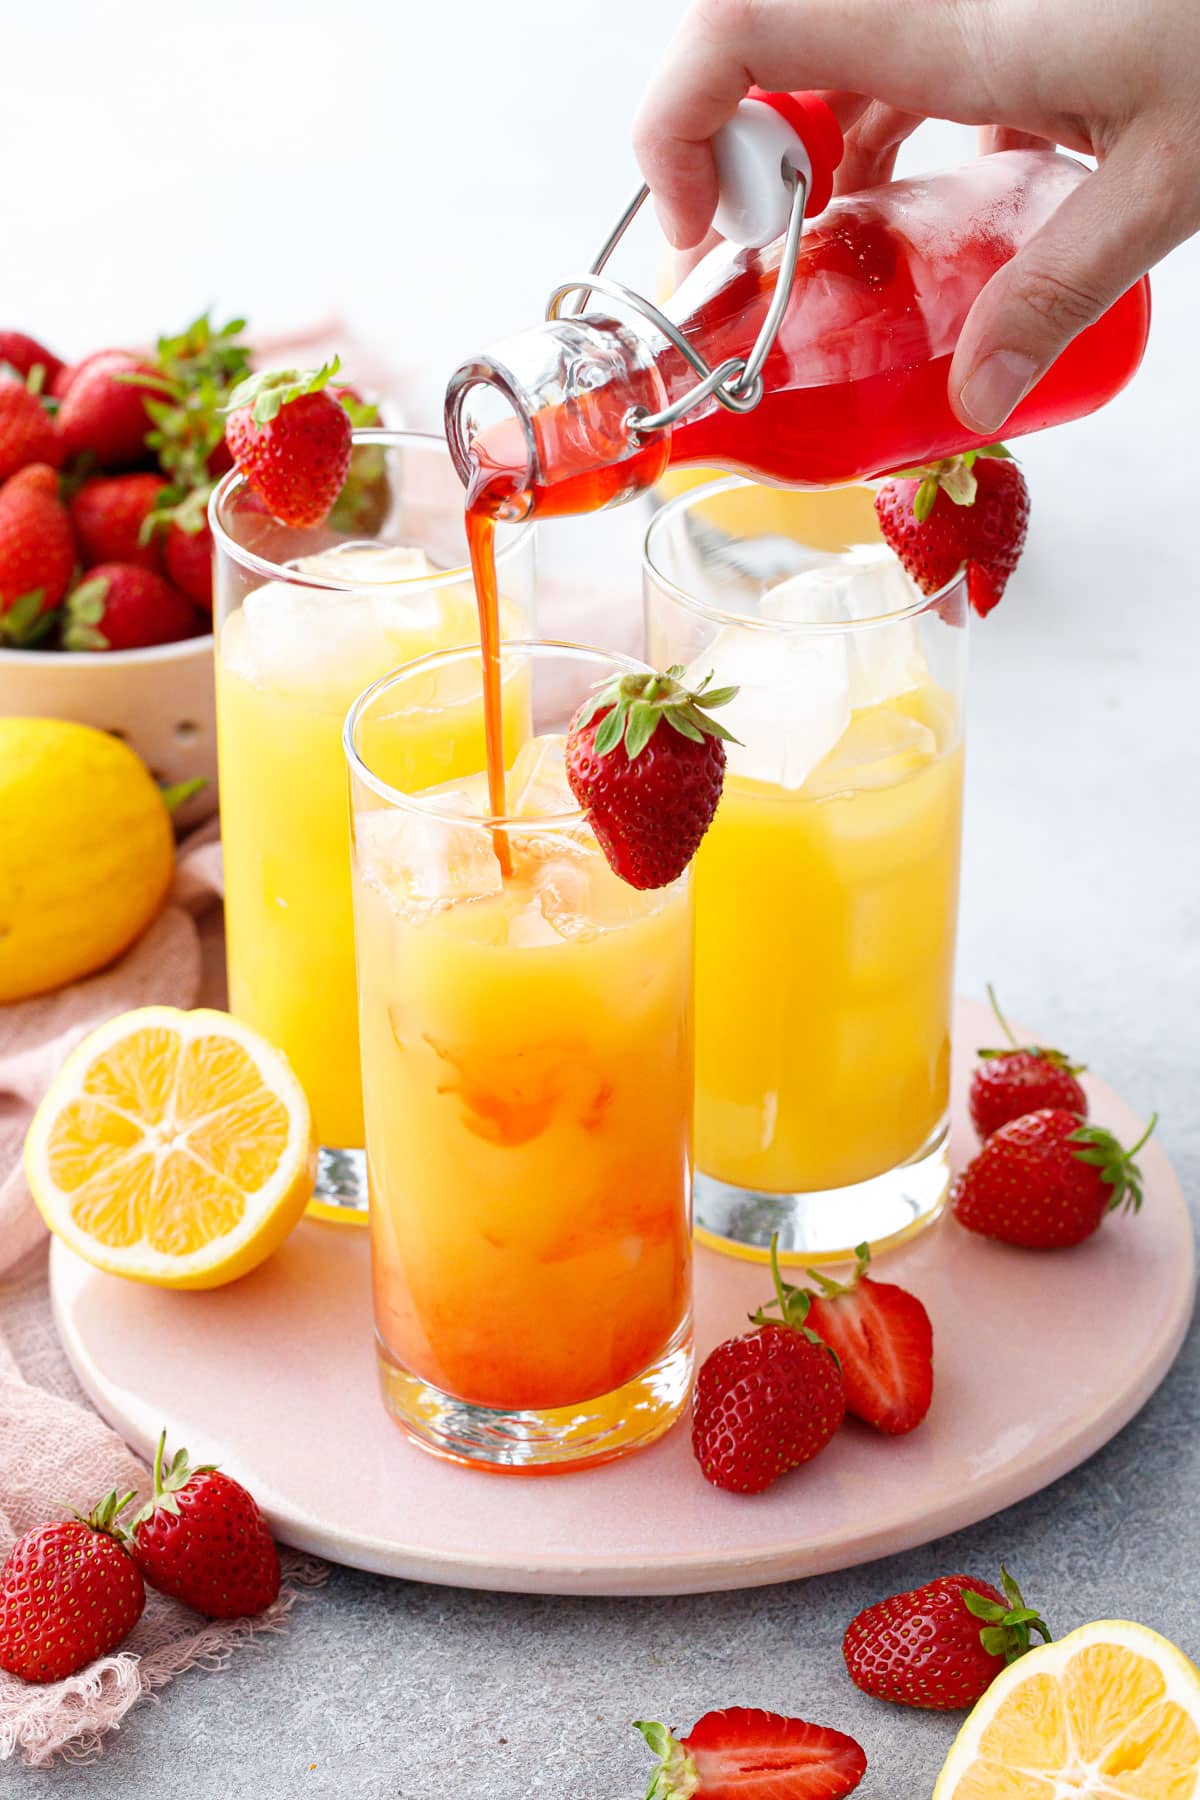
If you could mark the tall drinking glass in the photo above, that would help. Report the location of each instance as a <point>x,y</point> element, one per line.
<point>527,1075</point>
<point>827,887</point>
<point>304,620</point>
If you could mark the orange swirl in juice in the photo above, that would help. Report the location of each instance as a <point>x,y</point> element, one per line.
<point>528,1076</point>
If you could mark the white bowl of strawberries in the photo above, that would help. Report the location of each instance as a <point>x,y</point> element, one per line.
<point>105,553</point>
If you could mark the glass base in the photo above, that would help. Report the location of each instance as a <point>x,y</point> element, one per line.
<point>885,1211</point>
<point>340,1196</point>
<point>542,1442</point>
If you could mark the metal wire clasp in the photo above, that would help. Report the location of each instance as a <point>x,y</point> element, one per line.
<point>737,382</point>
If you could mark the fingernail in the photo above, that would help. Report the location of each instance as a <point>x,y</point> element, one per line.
<point>992,390</point>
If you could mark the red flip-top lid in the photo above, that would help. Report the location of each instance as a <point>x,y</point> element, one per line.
<point>814,124</point>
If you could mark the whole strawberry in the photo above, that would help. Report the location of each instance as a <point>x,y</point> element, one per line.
<point>121,607</point>
<point>24,354</point>
<point>109,514</point>
<point>104,411</point>
<point>1046,1181</point>
<point>646,764</point>
<point>27,432</point>
<point>743,1753</point>
<point>942,1645</point>
<point>291,438</point>
<point>69,1592</point>
<point>768,1401</point>
<point>971,510</point>
<point>1021,1079</point>
<point>37,553</point>
<point>201,1538</point>
<point>882,1337</point>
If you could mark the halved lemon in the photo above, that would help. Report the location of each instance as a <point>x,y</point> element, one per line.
<point>174,1148</point>
<point>1111,1712</point>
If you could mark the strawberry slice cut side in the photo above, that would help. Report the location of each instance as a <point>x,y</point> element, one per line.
<point>882,1336</point>
<point>744,1753</point>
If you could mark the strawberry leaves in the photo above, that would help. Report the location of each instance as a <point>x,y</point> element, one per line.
<point>1006,1630</point>
<point>953,476</point>
<point>794,1305</point>
<point>1118,1170</point>
<point>676,1777</point>
<point>270,390</point>
<point>637,703</point>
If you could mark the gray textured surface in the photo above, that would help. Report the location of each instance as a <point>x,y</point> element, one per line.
<point>1082,899</point>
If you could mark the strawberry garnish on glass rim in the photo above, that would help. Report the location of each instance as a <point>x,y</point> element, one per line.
<point>969,511</point>
<point>291,437</point>
<point>646,763</point>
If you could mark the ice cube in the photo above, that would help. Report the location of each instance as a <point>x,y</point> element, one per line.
<point>393,577</point>
<point>422,861</point>
<point>864,583</point>
<point>537,780</point>
<point>365,561</point>
<point>296,637</point>
<point>880,747</point>
<point>793,700</point>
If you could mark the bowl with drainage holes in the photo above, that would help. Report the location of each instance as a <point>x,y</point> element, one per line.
<point>159,701</point>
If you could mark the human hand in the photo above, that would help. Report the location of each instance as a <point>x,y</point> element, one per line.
<point>1114,81</point>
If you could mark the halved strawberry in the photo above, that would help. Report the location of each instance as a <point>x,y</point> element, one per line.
<point>881,1335</point>
<point>743,1753</point>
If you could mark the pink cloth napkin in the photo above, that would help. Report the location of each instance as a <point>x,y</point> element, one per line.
<point>55,1453</point>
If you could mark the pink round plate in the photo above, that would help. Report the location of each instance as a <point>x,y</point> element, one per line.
<point>274,1378</point>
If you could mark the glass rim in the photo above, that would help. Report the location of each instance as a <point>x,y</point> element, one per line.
<point>800,627</point>
<point>411,803</point>
<point>233,483</point>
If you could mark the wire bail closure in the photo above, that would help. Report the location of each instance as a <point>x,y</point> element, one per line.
<point>737,382</point>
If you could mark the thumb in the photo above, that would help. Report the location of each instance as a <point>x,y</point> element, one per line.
<point>1107,232</point>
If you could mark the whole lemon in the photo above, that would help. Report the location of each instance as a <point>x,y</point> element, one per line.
<point>86,852</point>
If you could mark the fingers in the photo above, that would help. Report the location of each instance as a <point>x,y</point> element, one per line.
<point>872,145</point>
<point>1002,137</point>
<point>724,47</point>
<point>1109,231</point>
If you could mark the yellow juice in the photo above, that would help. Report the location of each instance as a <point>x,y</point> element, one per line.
<point>289,664</point>
<point>528,1087</point>
<point>825,928</point>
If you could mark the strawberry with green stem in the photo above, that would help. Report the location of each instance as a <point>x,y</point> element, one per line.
<point>744,1753</point>
<point>1046,1182</point>
<point>202,1539</point>
<point>37,554</point>
<point>942,1645</point>
<point>291,438</point>
<point>121,606</point>
<point>110,514</point>
<point>768,1401</point>
<point>69,1592</point>
<point>646,762</point>
<point>969,511</point>
<point>1021,1078</point>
